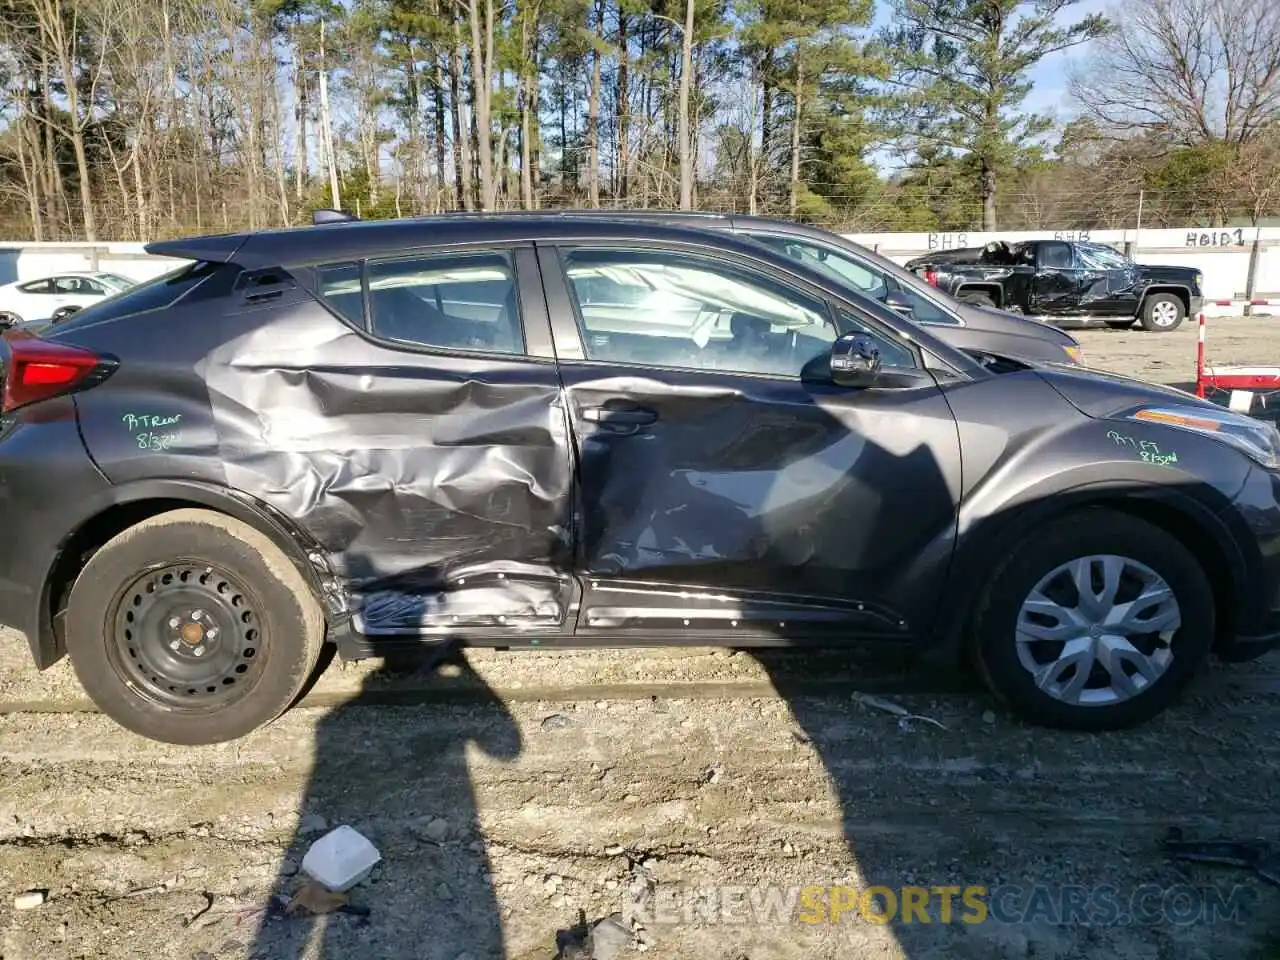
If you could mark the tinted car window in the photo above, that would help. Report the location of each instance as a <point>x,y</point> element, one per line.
<point>849,271</point>
<point>340,286</point>
<point>1056,255</point>
<point>71,285</point>
<point>844,270</point>
<point>671,310</point>
<point>454,302</point>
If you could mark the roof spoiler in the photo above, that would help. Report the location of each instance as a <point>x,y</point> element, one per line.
<point>332,216</point>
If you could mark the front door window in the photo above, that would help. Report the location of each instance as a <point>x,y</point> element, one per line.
<point>672,310</point>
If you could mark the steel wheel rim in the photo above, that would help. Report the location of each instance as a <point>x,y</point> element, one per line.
<point>1164,313</point>
<point>1098,630</point>
<point>186,636</point>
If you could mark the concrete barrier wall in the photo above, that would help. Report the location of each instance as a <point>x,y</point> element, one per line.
<point>1239,264</point>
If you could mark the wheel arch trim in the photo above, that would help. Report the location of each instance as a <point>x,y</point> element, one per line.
<point>169,494</point>
<point>1232,574</point>
<point>1176,289</point>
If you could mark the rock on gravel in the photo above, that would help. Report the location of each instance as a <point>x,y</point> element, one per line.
<point>29,900</point>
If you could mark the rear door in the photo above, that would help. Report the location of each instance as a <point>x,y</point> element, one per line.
<point>724,488</point>
<point>1060,282</point>
<point>402,411</point>
<point>441,436</point>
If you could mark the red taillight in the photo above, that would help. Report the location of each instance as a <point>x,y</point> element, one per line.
<point>38,369</point>
<point>931,276</point>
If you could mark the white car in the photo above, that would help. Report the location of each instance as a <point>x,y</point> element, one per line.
<point>38,299</point>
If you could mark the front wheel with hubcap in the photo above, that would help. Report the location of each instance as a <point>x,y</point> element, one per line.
<point>192,628</point>
<point>1098,622</point>
<point>1162,312</point>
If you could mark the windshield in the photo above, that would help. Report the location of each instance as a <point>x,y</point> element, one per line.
<point>845,272</point>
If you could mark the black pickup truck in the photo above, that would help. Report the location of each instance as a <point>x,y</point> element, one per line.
<point>1071,284</point>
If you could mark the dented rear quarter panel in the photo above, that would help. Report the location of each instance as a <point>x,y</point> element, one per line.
<point>411,471</point>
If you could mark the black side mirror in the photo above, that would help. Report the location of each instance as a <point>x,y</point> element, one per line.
<point>897,300</point>
<point>855,360</point>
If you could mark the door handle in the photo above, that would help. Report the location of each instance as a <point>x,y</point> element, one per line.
<point>636,416</point>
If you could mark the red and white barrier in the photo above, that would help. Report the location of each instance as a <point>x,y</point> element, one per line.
<point>1242,382</point>
<point>1236,307</point>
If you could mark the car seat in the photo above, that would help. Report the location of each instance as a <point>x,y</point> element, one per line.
<point>399,314</point>
<point>752,347</point>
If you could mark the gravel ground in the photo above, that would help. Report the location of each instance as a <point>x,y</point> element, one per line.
<point>507,792</point>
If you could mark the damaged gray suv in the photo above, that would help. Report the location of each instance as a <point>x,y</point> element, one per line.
<point>533,431</point>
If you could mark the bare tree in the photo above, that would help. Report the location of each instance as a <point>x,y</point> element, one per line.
<point>61,25</point>
<point>482,73</point>
<point>326,125</point>
<point>593,107</point>
<point>529,13</point>
<point>1256,174</point>
<point>139,82</point>
<point>1188,71</point>
<point>686,143</point>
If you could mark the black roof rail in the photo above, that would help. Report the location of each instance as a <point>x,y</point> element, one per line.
<point>332,216</point>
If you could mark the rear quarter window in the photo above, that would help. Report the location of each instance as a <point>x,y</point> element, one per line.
<point>163,291</point>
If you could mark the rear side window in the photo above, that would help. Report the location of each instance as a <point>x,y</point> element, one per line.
<point>152,295</point>
<point>340,288</point>
<point>459,301</point>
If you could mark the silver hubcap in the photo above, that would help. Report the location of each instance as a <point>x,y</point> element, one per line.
<point>1164,313</point>
<point>1097,630</point>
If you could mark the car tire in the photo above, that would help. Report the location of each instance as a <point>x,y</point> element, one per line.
<point>1120,324</point>
<point>192,628</point>
<point>977,299</point>
<point>1162,312</point>
<point>9,320</point>
<point>1003,629</point>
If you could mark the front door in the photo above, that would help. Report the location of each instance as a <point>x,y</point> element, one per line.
<point>1114,277</point>
<point>723,487</point>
